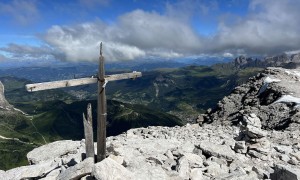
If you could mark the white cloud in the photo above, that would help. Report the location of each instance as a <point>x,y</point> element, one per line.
<point>271,26</point>
<point>268,28</point>
<point>135,35</point>
<point>228,55</point>
<point>22,11</point>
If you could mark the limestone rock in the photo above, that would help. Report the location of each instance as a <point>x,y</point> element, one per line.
<point>31,171</point>
<point>52,175</point>
<point>196,174</point>
<point>79,170</point>
<point>118,159</point>
<point>254,132</point>
<point>217,150</point>
<point>216,170</point>
<point>109,169</point>
<point>296,155</point>
<point>52,151</point>
<point>3,102</point>
<point>183,168</point>
<point>240,147</point>
<point>252,120</point>
<point>2,173</point>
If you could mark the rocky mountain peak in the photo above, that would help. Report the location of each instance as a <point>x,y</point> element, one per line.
<point>252,134</point>
<point>3,102</point>
<point>295,58</point>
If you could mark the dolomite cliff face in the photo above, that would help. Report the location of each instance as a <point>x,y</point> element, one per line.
<point>273,95</point>
<point>3,102</point>
<point>252,134</point>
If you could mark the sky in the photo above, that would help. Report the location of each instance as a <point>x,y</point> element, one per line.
<point>71,30</point>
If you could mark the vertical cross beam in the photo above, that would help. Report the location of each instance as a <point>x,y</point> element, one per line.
<point>101,111</point>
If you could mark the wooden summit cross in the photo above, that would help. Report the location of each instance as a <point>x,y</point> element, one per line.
<point>102,80</point>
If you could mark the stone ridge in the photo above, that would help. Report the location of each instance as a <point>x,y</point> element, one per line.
<point>273,95</point>
<point>3,102</point>
<point>190,152</point>
<point>253,134</point>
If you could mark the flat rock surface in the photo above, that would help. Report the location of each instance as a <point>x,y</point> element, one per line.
<point>53,150</point>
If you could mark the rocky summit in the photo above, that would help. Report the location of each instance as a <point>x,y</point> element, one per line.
<point>252,134</point>
<point>3,102</point>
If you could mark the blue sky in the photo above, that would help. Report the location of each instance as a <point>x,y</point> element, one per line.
<point>46,30</point>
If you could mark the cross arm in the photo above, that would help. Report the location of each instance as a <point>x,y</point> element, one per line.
<point>78,82</point>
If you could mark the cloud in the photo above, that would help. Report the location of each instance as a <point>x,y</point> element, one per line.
<point>2,58</point>
<point>15,51</point>
<point>135,35</point>
<point>271,27</point>
<point>23,12</point>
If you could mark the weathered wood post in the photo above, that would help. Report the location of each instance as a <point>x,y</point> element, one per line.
<point>88,133</point>
<point>101,79</point>
<point>101,111</point>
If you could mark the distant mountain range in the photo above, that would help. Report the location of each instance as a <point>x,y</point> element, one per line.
<point>283,60</point>
<point>153,99</point>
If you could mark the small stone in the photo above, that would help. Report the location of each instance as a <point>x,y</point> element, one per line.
<point>254,132</point>
<point>296,155</point>
<point>284,157</point>
<point>169,154</point>
<point>79,170</point>
<point>283,149</point>
<point>252,120</point>
<point>293,161</point>
<point>240,147</point>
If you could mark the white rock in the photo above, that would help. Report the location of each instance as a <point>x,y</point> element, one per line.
<point>31,171</point>
<point>194,160</point>
<point>196,174</point>
<point>2,173</point>
<point>217,150</point>
<point>183,168</point>
<point>270,80</point>
<point>79,170</point>
<point>283,149</point>
<point>118,159</point>
<point>52,175</point>
<point>255,132</point>
<point>109,169</point>
<point>296,155</point>
<point>252,120</point>
<point>215,169</point>
<point>53,150</point>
